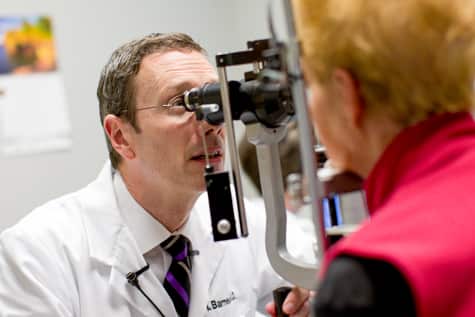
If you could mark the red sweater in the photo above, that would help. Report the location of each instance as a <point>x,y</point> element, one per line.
<point>421,196</point>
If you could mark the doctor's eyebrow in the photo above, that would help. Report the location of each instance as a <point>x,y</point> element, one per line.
<point>173,91</point>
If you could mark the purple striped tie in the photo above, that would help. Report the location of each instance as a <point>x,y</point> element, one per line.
<point>178,278</point>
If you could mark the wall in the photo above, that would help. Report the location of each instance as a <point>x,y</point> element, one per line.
<point>86,33</point>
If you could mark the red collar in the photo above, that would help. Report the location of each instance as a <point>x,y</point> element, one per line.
<point>413,147</point>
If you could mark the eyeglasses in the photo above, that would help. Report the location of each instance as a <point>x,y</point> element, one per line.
<point>174,107</point>
<point>174,102</point>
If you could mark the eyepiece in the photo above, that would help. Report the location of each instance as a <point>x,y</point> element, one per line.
<point>204,95</point>
<point>190,99</point>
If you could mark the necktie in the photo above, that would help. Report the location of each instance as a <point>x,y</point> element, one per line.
<point>178,278</point>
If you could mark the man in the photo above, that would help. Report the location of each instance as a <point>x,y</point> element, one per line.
<point>391,94</point>
<point>135,242</point>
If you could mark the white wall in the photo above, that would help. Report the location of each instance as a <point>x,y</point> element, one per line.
<point>86,33</point>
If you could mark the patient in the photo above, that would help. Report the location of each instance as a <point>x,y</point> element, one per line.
<point>391,93</point>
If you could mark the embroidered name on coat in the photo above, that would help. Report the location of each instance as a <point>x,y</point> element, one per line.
<point>218,303</point>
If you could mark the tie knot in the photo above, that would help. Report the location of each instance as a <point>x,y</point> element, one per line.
<point>178,246</point>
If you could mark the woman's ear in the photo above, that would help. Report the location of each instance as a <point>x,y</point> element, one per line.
<point>347,88</point>
<point>120,135</point>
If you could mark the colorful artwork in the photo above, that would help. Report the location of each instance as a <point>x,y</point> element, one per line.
<point>26,45</point>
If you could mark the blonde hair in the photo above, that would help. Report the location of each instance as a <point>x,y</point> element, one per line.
<point>411,58</point>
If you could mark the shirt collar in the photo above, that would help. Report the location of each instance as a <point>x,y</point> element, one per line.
<point>149,232</point>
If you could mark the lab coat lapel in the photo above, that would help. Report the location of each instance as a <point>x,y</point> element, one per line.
<point>205,266</point>
<point>111,244</point>
<point>125,262</point>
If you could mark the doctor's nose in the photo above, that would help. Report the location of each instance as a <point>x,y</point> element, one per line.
<point>208,128</point>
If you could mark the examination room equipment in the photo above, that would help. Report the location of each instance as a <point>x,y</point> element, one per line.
<point>265,100</point>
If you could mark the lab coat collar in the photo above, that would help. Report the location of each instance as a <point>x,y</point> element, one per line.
<point>147,231</point>
<point>206,263</point>
<point>126,262</point>
<point>111,243</point>
<point>102,221</point>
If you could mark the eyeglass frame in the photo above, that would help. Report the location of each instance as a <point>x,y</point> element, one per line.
<point>170,104</point>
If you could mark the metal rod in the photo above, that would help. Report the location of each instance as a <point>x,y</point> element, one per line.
<point>205,147</point>
<point>307,140</point>
<point>233,153</point>
<point>290,268</point>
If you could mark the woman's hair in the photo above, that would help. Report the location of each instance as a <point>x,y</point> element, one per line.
<point>411,58</point>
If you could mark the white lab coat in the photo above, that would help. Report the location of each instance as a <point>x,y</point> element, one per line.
<point>70,258</point>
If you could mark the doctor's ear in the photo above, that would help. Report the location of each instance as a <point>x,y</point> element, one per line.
<point>348,90</point>
<point>119,133</point>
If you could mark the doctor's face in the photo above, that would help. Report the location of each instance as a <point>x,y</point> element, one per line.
<point>169,143</point>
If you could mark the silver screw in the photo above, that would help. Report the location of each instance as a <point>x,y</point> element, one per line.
<point>224,226</point>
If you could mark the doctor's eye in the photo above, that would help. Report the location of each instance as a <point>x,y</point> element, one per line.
<point>176,105</point>
<point>176,101</point>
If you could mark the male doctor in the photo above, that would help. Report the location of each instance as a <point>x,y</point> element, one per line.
<point>137,241</point>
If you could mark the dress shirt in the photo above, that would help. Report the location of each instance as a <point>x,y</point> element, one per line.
<point>147,231</point>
